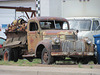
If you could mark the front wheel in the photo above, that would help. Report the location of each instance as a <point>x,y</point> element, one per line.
<point>46,57</point>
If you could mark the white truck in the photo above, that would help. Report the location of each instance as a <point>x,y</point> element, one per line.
<point>85,26</point>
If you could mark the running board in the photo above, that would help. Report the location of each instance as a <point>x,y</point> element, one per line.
<point>29,55</point>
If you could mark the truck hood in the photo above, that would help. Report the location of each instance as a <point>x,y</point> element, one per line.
<point>57,32</point>
<point>83,34</point>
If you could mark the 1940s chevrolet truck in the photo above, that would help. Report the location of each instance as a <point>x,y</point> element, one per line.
<point>45,38</point>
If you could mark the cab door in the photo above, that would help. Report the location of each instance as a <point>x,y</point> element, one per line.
<point>33,36</point>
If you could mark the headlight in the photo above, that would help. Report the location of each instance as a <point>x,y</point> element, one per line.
<point>88,41</point>
<point>96,47</point>
<point>56,40</point>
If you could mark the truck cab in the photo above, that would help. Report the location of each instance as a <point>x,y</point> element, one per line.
<point>42,29</point>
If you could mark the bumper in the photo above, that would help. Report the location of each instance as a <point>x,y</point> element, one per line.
<point>72,53</point>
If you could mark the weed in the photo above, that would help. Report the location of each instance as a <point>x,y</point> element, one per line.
<point>80,65</point>
<point>91,67</point>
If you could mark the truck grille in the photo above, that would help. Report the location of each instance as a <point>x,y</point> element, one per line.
<point>71,37</point>
<point>69,46</point>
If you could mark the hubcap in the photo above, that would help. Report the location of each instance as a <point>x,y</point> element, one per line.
<point>45,57</point>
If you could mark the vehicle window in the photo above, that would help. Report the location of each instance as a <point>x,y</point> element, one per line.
<point>96,25</point>
<point>57,26</point>
<point>65,25</point>
<point>80,25</point>
<point>1,41</point>
<point>53,25</point>
<point>33,26</point>
<point>45,25</point>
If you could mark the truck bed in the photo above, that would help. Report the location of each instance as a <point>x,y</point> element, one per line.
<point>18,38</point>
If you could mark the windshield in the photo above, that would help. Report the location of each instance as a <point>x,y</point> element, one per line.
<point>83,25</point>
<point>53,25</point>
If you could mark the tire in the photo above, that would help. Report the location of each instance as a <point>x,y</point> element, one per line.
<point>85,60</point>
<point>7,55</point>
<point>46,57</point>
<point>15,55</point>
<point>95,60</point>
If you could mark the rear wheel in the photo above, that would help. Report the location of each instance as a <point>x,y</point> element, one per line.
<point>15,55</point>
<point>7,55</point>
<point>46,57</point>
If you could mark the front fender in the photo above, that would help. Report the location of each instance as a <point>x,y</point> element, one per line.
<point>47,44</point>
<point>41,45</point>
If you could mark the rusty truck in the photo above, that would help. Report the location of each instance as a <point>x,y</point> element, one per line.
<point>45,38</point>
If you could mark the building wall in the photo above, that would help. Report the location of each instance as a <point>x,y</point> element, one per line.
<point>81,8</point>
<point>45,7</point>
<point>51,7</point>
<point>55,8</point>
<point>70,8</point>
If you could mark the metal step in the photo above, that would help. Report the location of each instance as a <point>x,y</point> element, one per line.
<point>29,55</point>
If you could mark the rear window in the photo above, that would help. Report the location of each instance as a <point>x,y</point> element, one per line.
<point>1,41</point>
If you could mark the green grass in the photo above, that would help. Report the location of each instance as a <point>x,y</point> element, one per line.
<point>91,66</point>
<point>80,65</point>
<point>23,62</point>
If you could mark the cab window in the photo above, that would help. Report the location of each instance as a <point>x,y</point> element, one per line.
<point>33,26</point>
<point>96,25</point>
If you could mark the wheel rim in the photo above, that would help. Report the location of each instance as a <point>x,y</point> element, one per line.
<point>45,57</point>
<point>6,56</point>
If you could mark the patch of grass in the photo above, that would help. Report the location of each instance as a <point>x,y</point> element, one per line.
<point>22,62</point>
<point>91,67</point>
<point>67,58</point>
<point>80,65</point>
<point>90,63</point>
